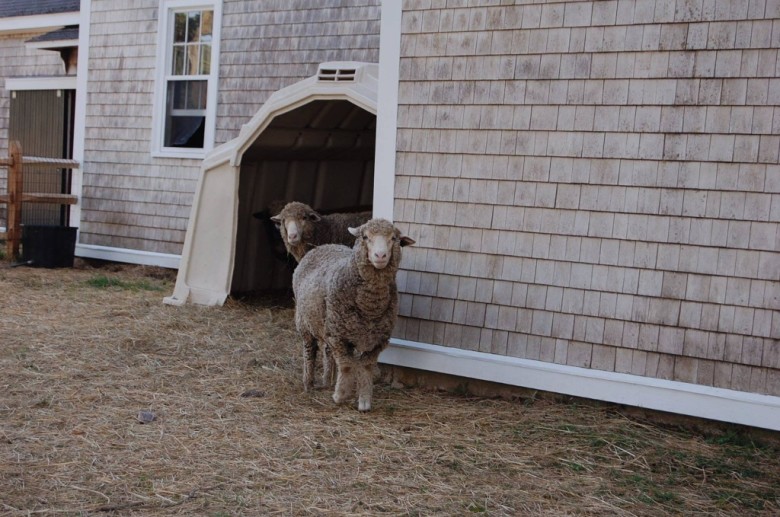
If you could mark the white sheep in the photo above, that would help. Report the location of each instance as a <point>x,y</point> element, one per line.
<point>303,228</point>
<point>347,300</point>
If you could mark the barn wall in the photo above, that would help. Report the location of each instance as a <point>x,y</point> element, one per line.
<point>18,61</point>
<point>131,200</point>
<point>595,184</point>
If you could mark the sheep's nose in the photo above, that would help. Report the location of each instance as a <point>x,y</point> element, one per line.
<point>380,255</point>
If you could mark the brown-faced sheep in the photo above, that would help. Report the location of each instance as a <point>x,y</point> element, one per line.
<point>303,228</point>
<point>347,299</point>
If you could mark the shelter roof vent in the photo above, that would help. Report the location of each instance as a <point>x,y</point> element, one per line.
<point>339,72</point>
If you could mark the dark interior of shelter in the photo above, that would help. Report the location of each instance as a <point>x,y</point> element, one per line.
<point>321,154</point>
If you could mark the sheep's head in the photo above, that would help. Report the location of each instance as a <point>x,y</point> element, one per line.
<point>295,222</point>
<point>381,242</point>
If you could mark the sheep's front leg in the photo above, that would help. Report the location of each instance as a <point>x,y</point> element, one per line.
<point>309,359</point>
<point>365,378</point>
<point>345,365</point>
<point>365,385</point>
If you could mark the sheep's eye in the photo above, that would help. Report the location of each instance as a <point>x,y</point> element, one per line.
<point>365,237</point>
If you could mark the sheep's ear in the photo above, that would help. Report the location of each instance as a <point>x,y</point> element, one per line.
<point>277,221</point>
<point>354,231</point>
<point>407,241</point>
<point>314,216</point>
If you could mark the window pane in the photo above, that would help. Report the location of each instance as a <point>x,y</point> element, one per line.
<point>205,59</point>
<point>196,97</point>
<point>185,132</point>
<point>178,92</point>
<point>193,89</point>
<point>187,95</point>
<point>185,114</point>
<point>206,25</point>
<point>178,60</point>
<point>193,26</point>
<point>179,27</point>
<point>193,59</point>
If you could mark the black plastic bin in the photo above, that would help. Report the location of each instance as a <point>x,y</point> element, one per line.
<point>48,246</point>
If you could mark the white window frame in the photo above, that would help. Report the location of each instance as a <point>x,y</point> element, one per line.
<point>163,65</point>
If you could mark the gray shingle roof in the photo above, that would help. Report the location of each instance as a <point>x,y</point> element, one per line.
<point>68,33</point>
<point>10,8</point>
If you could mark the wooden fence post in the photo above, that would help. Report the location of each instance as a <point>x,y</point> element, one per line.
<point>16,195</point>
<point>15,189</point>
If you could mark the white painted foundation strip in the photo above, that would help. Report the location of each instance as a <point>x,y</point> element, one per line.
<point>144,258</point>
<point>672,396</point>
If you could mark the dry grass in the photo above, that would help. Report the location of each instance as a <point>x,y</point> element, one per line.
<point>85,350</point>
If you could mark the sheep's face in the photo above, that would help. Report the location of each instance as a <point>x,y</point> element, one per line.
<point>381,241</point>
<point>294,222</point>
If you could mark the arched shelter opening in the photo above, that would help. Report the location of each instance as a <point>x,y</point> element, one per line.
<point>313,142</point>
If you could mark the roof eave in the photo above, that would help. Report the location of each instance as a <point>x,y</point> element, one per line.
<point>53,44</point>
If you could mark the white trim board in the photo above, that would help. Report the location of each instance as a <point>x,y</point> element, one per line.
<point>671,396</point>
<point>143,258</point>
<point>61,82</point>
<point>80,110</point>
<point>387,109</point>
<point>38,21</point>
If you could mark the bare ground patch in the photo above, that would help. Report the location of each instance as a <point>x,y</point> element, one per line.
<point>83,351</point>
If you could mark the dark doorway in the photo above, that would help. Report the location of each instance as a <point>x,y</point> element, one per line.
<point>42,121</point>
<point>322,154</point>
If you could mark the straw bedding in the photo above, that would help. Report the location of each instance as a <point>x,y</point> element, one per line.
<point>88,355</point>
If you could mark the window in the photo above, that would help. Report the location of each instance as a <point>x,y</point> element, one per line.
<point>184,118</point>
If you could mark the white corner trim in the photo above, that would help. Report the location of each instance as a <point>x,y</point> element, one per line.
<point>387,109</point>
<point>39,21</point>
<point>144,258</point>
<point>672,396</point>
<point>62,82</point>
<point>80,109</point>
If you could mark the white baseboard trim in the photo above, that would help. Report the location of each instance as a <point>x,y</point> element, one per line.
<point>144,258</point>
<point>671,396</point>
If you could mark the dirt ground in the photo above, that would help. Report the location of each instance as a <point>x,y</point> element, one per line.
<point>112,403</point>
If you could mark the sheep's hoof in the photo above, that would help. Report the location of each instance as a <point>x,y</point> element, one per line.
<point>364,405</point>
<point>338,399</point>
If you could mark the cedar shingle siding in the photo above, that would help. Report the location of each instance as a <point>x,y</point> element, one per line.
<point>131,200</point>
<point>595,184</point>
